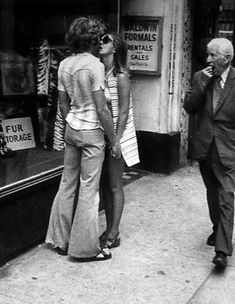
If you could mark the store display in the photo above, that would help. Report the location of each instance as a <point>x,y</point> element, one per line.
<point>48,63</point>
<point>226,20</point>
<point>17,76</point>
<point>59,129</point>
<point>4,150</point>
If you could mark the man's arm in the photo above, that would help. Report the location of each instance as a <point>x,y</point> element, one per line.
<point>195,97</point>
<point>64,104</point>
<point>106,120</point>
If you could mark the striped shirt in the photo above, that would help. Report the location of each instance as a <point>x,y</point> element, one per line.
<point>80,75</point>
<point>128,141</point>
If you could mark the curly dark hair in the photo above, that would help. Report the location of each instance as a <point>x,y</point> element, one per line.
<point>83,33</point>
<point>120,55</point>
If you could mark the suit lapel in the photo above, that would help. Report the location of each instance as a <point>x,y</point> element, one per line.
<point>210,95</point>
<point>229,84</point>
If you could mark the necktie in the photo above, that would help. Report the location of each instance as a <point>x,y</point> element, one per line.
<point>216,93</point>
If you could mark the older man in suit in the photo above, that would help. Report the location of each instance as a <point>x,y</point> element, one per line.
<point>212,101</point>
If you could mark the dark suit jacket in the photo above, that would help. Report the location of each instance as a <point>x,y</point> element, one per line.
<point>220,125</point>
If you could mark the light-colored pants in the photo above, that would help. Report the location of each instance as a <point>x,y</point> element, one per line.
<point>74,215</point>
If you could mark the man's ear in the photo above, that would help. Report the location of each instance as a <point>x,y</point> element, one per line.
<point>227,58</point>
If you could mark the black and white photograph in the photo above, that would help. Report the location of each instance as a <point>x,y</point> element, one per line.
<point>117,151</point>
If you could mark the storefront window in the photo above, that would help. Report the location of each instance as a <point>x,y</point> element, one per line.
<point>31,48</point>
<point>226,24</point>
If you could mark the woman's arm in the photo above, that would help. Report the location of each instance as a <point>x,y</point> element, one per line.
<point>123,87</point>
<point>104,116</point>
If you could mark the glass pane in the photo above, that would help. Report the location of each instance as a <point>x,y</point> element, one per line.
<point>31,49</point>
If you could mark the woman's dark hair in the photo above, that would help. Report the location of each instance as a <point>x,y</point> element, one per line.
<point>83,33</point>
<point>120,55</point>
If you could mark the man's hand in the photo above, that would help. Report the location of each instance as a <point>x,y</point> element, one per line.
<point>208,71</point>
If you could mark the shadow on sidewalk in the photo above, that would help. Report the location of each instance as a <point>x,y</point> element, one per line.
<point>130,175</point>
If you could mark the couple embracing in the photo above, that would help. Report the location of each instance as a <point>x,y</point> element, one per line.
<point>94,99</point>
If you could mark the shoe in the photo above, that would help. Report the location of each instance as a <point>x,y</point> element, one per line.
<point>112,242</point>
<point>61,251</point>
<point>211,240</point>
<point>220,259</point>
<point>103,255</point>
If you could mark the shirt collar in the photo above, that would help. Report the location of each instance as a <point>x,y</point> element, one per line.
<point>224,75</point>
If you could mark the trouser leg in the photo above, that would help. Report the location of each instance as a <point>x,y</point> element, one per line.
<point>84,238</point>
<point>211,184</point>
<point>62,209</point>
<point>225,228</point>
<point>221,207</point>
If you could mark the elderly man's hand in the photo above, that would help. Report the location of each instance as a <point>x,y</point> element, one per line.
<point>208,71</point>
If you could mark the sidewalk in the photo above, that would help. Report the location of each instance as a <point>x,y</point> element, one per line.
<point>163,257</point>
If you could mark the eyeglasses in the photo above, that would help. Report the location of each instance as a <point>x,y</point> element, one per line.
<point>106,39</point>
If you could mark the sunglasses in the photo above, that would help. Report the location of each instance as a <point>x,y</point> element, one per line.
<point>106,39</point>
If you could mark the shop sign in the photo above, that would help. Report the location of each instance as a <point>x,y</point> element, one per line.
<point>143,36</point>
<point>18,133</point>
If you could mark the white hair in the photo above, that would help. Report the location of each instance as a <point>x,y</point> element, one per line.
<point>222,46</point>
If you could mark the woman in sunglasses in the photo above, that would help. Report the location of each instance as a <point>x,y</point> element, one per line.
<point>113,53</point>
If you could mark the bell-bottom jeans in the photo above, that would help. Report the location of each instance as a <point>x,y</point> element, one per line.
<point>73,222</point>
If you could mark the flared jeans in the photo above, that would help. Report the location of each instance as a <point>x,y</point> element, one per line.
<point>73,222</point>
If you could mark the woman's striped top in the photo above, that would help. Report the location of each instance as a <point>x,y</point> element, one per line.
<point>128,141</point>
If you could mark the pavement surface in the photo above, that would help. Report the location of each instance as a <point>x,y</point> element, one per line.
<point>163,257</point>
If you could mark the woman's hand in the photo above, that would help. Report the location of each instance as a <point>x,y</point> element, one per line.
<point>116,150</point>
